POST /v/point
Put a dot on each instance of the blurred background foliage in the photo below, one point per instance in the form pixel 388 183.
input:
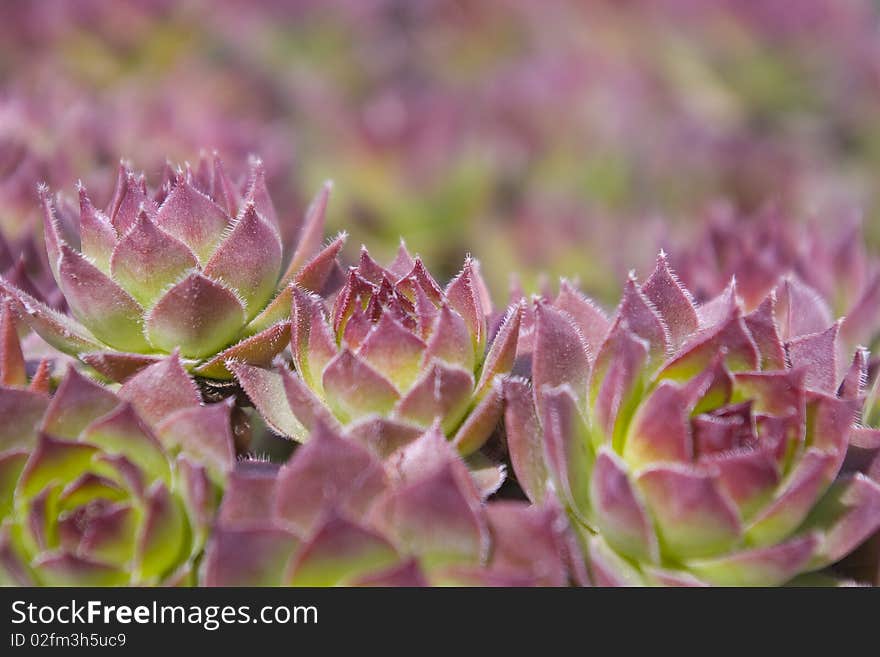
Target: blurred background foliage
pixel 556 137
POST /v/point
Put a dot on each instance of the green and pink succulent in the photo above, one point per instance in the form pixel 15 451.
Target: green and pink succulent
pixel 196 266
pixel 393 354
pixel 335 514
pixel 105 488
pixel 692 444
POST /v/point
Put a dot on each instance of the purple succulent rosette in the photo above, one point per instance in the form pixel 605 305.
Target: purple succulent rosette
pixel 195 266
pixel 395 353
pixel 104 489
pixel 336 515
pixel 693 444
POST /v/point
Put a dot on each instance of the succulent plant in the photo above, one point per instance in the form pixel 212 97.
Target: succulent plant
pixel 101 488
pixel 197 266
pixel 336 515
pixel 395 353
pixel 692 444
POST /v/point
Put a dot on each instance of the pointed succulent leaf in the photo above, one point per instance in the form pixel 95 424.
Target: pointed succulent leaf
pixel 797 496
pixel 250 495
pixel 480 422
pixel 660 429
pixel 303 402
pixel 449 339
pixel 846 516
pixel 265 388
pixel 437 519
pixel 607 568
pixel 248 556
pixel 856 378
pixel 644 320
pixel 355 389
pixel 442 392
pixel 800 310
pixel 393 351
pixel 198 315
pixel 560 354
pixel 62 332
pixel 672 301
pixel 193 218
pixel 403 261
pixel 589 318
pixel 275 312
pixel 110 312
pixel 123 432
pixel 694 518
pixel 619 511
pixel 567 449
pixel 147 260
pixel 525 539
pixel 319 271
pixel 431 451
pixel 816 354
pixel 761 323
pixel 615 380
pixel 328 472
pixel 53 460
pixel 464 296
pixel 12 365
pixel 21 411
pixel 248 260
pixel 64 569
pixel 162 538
pixel 340 552
pixel 51 231
pixel 524 436
pixel 259 349
pixel 730 336
pixel 202 432
pixel 749 478
pixel 720 308
pixel 130 197
pixel 502 354
pixel 257 192
pixel 369 269
pixel 160 389
pixel 76 404
pixel 312 232
pixel 312 342
pixel 766 566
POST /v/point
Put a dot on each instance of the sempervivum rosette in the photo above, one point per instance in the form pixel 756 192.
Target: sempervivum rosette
pixel 100 488
pixel 395 353
pixel 692 445
pixel 335 515
pixel 195 266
